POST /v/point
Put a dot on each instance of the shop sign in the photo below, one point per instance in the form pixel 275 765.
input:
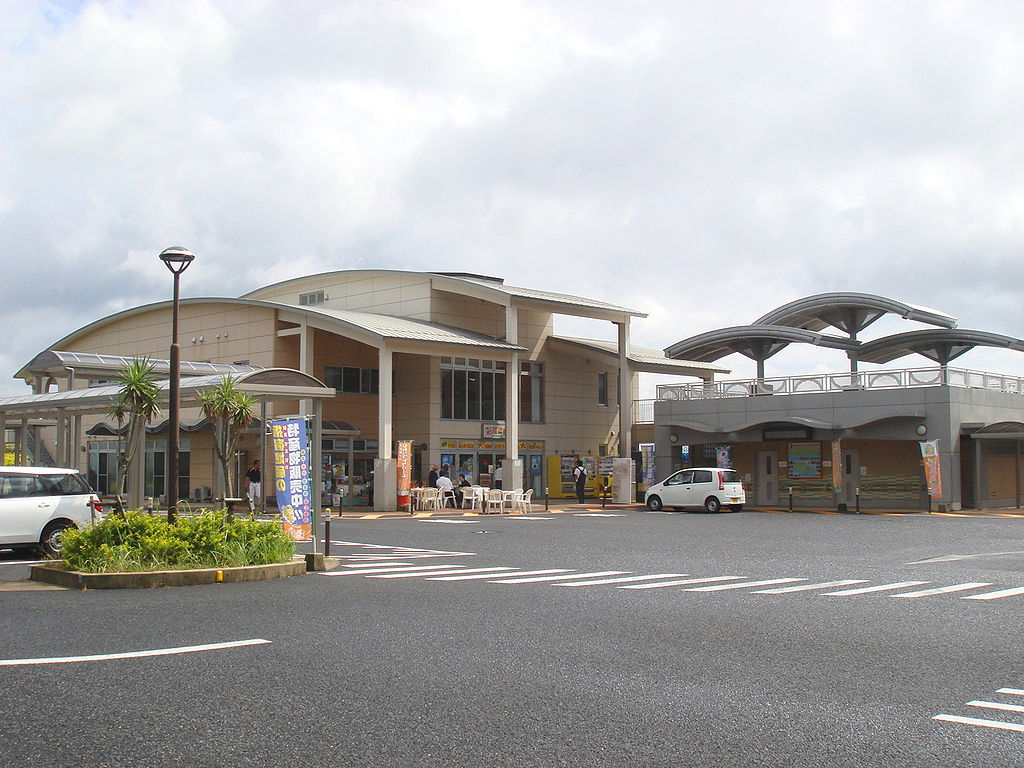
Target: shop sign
pixel 404 472
pixel 932 468
pixel 488 445
pixel 493 431
pixel 292 476
pixel 805 460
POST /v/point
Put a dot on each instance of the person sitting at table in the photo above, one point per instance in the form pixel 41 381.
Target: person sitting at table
pixel 463 482
pixel 444 484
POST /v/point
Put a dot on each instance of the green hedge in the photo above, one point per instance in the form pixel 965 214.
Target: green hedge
pixel 138 542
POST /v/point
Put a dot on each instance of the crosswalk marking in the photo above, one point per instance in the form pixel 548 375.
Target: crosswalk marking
pixel 996 705
pixel 995 595
pixel 1014 691
pixel 393 569
pixel 742 585
pixel 683 581
pixel 944 590
pixel 553 578
pixel 876 588
pixel 492 575
pixel 382 564
pixel 418 573
pixel 618 580
pixel 977 721
pixel 804 587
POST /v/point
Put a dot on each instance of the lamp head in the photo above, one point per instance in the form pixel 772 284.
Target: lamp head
pixel 177 258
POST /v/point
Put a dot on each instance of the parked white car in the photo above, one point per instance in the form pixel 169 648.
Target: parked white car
pixel 709 487
pixel 37 504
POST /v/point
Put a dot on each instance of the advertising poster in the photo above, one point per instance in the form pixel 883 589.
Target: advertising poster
pixel 805 460
pixel 837 464
pixel 647 464
pixel 723 457
pixel 290 448
pixel 404 471
pixel 932 471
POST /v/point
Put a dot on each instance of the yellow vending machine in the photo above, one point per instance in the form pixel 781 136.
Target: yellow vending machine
pixel 560 476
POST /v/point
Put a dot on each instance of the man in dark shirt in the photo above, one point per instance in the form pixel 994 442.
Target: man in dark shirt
pixel 254 480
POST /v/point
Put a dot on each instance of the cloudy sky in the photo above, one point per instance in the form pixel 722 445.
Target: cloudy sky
pixel 702 161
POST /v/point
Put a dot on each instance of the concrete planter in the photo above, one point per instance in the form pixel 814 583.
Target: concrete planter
pixel 58 574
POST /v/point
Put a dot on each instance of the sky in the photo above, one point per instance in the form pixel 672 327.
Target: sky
pixel 703 162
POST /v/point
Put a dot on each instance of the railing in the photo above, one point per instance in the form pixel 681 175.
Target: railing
pixel 902 378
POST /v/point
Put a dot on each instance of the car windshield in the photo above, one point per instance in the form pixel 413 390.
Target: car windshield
pixel 730 476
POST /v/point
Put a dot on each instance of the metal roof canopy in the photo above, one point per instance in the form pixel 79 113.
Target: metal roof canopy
pixel 1001 430
pixel 268 384
pixel 643 359
pixel 758 342
pixel 849 312
pixel 56 362
pixel 940 346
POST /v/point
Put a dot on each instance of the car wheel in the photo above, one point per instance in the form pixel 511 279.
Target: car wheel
pixel 736 507
pixel 51 543
pixel 654 503
pixel 712 504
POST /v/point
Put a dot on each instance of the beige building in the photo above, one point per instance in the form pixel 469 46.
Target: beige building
pixel 465 367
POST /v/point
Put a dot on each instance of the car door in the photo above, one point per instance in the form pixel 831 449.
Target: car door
pixel 23 508
pixel 70 495
pixel 700 488
pixel 673 493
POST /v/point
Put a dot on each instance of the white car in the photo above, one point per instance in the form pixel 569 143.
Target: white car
pixel 38 503
pixel 709 487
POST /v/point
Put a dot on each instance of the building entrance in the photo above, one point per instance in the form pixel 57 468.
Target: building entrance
pixel 767 478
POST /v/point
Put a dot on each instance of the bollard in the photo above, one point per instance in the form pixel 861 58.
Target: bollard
pixel 604 493
pixel 857 494
pixel 327 531
pixel 791 498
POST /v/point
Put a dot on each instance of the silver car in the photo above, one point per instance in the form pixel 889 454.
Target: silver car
pixel 709 487
pixel 37 504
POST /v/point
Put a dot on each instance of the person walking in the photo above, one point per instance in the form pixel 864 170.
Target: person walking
pixel 579 475
pixel 254 482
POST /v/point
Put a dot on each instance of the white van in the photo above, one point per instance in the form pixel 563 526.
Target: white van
pixel 38 503
pixel 707 487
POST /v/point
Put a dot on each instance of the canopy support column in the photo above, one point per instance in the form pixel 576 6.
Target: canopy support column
pixel 385 468
pixel 625 393
pixel 511 466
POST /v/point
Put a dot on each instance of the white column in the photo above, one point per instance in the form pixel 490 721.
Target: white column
pixel 3 440
pixel 23 444
pixel 625 393
pixel 61 443
pixel 511 467
pixel 76 444
pixel 385 475
pixel 316 459
pixel 306 362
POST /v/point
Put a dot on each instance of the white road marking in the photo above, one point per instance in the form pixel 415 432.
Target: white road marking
pixel 684 581
pixel 996 705
pixel 944 590
pixel 597 514
pixel 553 578
pixel 1014 691
pixel 742 585
pixel 527 517
pixel 876 588
pixel 492 575
pixel 952 558
pixel 975 721
pixel 995 595
pixel 132 654
pixel 420 572
pixel 394 569
pixel 804 587
pixel 456 522
pixel 619 580
pixel 386 563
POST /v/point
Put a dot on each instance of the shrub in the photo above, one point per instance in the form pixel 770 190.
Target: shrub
pixel 138 542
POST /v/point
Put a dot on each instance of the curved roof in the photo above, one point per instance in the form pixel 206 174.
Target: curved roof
pixel 938 345
pixel 53 361
pixel 850 312
pixel 493 286
pixel 758 342
pixel 644 359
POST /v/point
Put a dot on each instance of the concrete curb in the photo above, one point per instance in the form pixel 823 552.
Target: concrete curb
pixel 56 574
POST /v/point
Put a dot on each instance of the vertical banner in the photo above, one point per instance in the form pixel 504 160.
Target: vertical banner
pixel 292 476
pixel 837 465
pixel 647 464
pixel 932 471
pixel 404 471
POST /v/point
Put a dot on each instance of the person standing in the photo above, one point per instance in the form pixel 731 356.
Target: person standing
pixel 432 477
pixel 254 481
pixel 579 475
pixel 496 477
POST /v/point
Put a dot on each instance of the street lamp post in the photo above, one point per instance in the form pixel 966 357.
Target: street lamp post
pixel 177 260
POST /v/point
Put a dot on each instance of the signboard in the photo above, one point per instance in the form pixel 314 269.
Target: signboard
pixel 605 464
pixel 493 431
pixel 723 457
pixel 932 468
pixel 647 467
pixel 805 460
pixel 289 445
pixel 404 471
pixel 837 464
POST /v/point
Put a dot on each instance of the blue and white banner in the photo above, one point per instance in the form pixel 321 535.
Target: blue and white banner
pixel 292 475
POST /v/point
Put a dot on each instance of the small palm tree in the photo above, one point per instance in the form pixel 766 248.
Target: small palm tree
pixel 139 399
pixel 231 412
pixel 119 410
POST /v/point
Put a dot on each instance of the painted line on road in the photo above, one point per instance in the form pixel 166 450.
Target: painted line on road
pixel 996 595
pixel 133 654
pixel 492 575
pixel 684 581
pixel 553 578
pixel 1014 691
pixel 395 569
pixel 996 705
pixel 742 585
pixel 805 587
pixel 414 574
pixel 945 590
pixel 383 564
pixel 619 580
pixel 876 588
pixel 1019 727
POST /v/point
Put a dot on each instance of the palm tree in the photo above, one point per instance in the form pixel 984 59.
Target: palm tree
pixel 231 412
pixel 139 398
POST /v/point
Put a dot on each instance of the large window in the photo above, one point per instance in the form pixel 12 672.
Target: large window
pixel 474 390
pixel 352 380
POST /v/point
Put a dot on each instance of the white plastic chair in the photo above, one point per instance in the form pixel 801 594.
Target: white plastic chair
pixel 473 496
pixel 523 503
pixel 444 497
pixel 495 498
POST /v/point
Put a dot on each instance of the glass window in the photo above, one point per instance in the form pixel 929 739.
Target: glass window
pixel 14 486
pixel 350 379
pixel 459 411
pixel 447 383
pixel 64 484
pixel 487 395
pixel 602 388
pixel 473 384
pixel 702 476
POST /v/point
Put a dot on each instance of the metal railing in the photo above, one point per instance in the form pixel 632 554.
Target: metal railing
pixel 901 378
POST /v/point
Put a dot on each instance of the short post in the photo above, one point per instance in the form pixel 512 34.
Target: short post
pixel 604 492
pixel 327 531
pixel 857 494
pixel 790 498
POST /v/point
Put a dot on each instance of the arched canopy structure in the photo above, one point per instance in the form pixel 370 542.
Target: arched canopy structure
pixel 758 342
pixel 941 346
pixel 849 312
